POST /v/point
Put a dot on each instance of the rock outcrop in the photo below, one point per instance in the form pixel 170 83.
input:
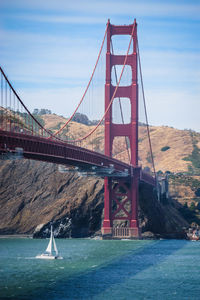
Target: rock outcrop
pixel 33 194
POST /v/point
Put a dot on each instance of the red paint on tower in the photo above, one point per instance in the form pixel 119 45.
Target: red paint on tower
pixel 121 195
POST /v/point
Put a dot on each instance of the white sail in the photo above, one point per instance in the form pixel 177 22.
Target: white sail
pixel 54 244
pixel 49 247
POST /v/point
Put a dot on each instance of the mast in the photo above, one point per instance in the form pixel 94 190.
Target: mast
pixel 49 247
pixel 55 247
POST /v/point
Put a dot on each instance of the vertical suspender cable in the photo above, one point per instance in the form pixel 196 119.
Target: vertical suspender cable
pixel 2 112
pixel 10 110
pixel 20 101
pixel 114 93
pixel 145 110
pixel 54 134
pixel 6 103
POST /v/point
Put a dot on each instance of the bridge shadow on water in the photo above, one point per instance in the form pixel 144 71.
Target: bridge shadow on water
pixel 92 283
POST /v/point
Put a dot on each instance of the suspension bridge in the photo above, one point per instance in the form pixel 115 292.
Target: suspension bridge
pixel 119 162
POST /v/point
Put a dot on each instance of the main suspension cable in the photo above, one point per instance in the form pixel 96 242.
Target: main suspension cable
pixel 67 122
pixel 113 96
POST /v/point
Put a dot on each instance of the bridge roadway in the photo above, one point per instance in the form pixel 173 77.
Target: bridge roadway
pixel 54 151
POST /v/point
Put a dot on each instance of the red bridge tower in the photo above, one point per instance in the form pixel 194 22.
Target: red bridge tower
pixel 121 195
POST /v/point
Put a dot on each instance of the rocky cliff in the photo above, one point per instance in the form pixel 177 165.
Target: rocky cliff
pixel 33 194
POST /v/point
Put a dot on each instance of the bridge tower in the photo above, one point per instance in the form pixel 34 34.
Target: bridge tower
pixel 121 195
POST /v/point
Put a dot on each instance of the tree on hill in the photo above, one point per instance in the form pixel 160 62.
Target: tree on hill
pixel 42 111
pixel 83 119
pixel 192 206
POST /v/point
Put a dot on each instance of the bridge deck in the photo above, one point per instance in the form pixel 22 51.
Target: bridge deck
pixel 43 149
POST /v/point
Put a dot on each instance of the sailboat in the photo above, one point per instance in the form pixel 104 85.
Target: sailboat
pixel 50 253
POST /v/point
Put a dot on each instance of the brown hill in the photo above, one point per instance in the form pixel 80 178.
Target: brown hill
pixel 176 151
pixel 32 194
pixel 171 150
pixel 170 145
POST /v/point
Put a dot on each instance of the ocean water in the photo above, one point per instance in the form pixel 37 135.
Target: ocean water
pixel 95 269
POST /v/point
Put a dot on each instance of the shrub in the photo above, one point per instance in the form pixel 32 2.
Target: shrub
pixel 192 206
pixel 149 158
pixel 197 192
pixel 159 172
pixel 194 157
pixel 165 148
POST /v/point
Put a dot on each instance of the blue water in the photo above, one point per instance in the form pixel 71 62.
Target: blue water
pixel 95 269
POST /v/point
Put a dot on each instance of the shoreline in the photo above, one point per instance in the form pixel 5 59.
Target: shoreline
pixel 7 236
pixel 30 236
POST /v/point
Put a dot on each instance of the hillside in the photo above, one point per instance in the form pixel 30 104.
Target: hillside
pixel 171 147
pixel 32 194
pixel 175 151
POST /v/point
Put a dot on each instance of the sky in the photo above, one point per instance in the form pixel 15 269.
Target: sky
pixel 48 50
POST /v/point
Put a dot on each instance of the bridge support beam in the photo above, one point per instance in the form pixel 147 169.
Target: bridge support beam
pixel 121 195
pixel 107 223
pixel 121 207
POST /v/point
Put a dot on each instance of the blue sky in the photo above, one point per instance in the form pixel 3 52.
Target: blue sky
pixel 48 49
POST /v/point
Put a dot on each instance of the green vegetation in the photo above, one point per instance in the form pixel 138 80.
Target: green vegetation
pixel 192 206
pixel 160 172
pixel 189 214
pixel 194 158
pixel 96 143
pixel 39 119
pixel 83 119
pixel 27 119
pixel 193 183
pixel 190 169
pixel 165 148
pixel 57 126
pixel 186 180
pixel 197 192
pixel 42 111
pixel 140 140
pixel 23 119
pixel 149 158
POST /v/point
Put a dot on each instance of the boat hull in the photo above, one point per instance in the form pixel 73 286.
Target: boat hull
pixel 43 256
pixel 195 236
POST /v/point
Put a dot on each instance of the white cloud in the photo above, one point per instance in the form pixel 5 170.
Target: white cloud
pixel 113 7
pixel 62 19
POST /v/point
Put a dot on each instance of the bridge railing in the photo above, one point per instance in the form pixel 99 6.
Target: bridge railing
pixel 121 232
